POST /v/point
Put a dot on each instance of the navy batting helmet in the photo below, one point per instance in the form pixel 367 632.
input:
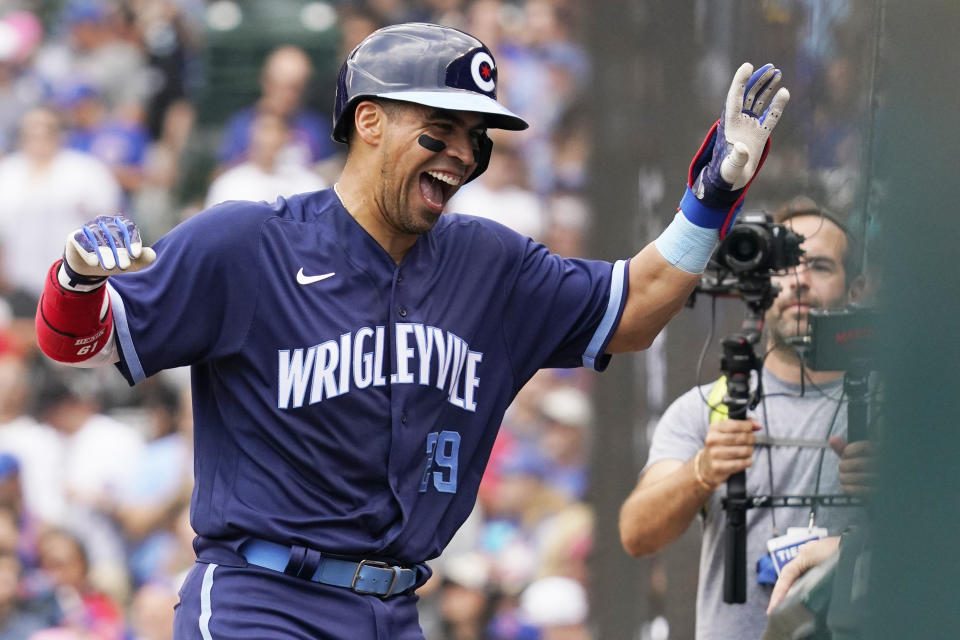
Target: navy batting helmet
pixel 426 64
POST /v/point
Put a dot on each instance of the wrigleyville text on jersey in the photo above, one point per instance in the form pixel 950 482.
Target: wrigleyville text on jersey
pixel 425 355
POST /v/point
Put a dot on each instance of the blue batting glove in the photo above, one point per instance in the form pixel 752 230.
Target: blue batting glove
pixel 734 149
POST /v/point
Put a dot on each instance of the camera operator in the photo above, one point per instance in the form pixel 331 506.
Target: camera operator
pixel 695 448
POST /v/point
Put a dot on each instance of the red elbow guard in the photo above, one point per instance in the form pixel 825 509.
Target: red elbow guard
pixel 69 328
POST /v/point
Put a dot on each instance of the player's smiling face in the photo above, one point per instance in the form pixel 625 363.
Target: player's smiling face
pixel 416 183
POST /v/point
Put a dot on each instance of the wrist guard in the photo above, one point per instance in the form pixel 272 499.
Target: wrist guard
pixel 69 323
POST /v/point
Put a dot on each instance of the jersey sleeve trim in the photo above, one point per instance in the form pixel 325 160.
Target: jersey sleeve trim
pixel 594 357
pixel 128 351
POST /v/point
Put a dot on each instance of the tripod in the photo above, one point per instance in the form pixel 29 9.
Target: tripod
pixel 739 360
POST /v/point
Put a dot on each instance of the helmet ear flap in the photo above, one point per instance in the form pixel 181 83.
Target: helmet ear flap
pixel 481 156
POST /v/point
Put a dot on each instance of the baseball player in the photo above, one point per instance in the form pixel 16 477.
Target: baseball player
pixel 353 351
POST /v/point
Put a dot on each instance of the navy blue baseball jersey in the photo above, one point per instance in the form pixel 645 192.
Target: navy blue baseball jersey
pixel 342 401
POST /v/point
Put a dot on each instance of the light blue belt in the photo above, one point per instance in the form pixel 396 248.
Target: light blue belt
pixel 363 576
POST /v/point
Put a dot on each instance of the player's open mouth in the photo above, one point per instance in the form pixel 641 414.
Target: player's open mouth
pixel 436 187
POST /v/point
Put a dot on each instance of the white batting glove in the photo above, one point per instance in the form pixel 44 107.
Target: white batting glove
pixel 749 117
pixel 103 247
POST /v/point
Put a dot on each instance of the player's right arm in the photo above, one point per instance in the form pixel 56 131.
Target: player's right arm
pixel 74 321
pixel 671 492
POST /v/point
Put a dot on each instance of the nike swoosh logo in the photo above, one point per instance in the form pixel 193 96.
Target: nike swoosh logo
pixel 304 279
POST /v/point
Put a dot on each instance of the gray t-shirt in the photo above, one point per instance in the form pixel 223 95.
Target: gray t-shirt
pixel 820 413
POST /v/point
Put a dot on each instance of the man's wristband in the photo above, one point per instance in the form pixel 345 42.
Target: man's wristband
pixel 73 281
pixel 696 472
pixel 687 246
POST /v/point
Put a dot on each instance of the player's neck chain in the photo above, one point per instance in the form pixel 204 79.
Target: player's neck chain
pixel 337 191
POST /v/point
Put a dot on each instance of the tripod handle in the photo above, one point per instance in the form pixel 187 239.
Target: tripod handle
pixel 735 545
pixel 735 535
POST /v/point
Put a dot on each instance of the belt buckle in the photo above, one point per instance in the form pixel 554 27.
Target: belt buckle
pixel 378 565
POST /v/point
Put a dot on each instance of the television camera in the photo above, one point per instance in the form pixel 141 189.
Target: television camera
pixel 754 249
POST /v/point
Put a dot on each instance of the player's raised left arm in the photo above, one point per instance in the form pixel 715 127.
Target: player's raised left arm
pixel 664 273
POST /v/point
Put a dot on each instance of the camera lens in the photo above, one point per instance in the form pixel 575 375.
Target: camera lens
pixel 744 248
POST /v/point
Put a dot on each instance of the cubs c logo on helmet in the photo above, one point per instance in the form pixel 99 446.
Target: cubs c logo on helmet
pixel 482 70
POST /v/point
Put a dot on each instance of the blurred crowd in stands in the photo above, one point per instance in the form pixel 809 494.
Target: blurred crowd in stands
pixel 98 114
